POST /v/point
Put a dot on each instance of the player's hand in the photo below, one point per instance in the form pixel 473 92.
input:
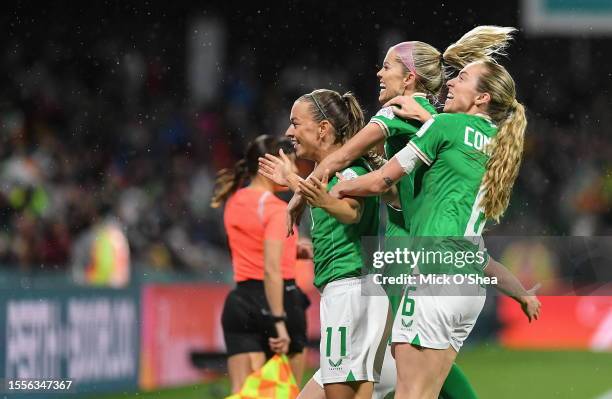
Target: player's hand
pixel 530 303
pixel 336 191
pixel 314 191
pixel 276 168
pixel 295 208
pixel 407 107
pixel 280 344
pixel 304 249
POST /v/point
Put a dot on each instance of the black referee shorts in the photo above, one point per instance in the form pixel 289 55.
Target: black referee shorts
pixel 246 326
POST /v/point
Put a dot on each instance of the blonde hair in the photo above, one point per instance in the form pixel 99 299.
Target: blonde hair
pixel 427 63
pixel 481 43
pixel 484 44
pixel 506 148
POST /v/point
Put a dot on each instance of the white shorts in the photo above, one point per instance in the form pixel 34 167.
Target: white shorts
pixel 354 333
pixel 438 317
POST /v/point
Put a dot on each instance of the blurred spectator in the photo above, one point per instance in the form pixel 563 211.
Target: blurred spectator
pixel 97 118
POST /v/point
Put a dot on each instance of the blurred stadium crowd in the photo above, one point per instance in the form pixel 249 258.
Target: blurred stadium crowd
pixel 97 122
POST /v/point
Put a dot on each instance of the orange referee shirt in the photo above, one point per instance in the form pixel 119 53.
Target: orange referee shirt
pixel 252 216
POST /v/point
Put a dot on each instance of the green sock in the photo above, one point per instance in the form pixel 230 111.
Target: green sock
pixel 457 386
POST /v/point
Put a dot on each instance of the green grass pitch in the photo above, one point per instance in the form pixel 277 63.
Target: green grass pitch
pixel 494 372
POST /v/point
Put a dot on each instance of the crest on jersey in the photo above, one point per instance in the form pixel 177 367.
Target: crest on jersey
pixel 349 174
pixel 387 112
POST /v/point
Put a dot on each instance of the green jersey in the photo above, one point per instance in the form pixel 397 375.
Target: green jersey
pixel 396 226
pixel 337 246
pixel 454 146
pixel 398 133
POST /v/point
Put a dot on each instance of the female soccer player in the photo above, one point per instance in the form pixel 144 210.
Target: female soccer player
pixel 265 313
pixel 473 155
pixel 352 343
pixel 411 69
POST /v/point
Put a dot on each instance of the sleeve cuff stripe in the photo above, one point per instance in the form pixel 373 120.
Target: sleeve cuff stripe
pixel 382 125
pixel 420 154
pixel 488 261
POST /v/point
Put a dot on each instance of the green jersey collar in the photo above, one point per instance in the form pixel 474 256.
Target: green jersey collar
pixel 487 118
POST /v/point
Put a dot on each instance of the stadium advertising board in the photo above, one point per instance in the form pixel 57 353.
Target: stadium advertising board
pixel 570 322
pixel 179 319
pixel 86 336
pixel 567 17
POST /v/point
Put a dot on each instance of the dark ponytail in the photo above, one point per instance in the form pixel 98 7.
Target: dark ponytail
pixel 355 118
pixel 227 182
pixel 231 179
pixel 343 112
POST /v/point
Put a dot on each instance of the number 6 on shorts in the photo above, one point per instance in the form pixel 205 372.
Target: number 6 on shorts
pixel 408 307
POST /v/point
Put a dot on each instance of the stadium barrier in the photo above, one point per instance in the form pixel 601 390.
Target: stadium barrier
pixel 567 322
pixel 148 335
pixel 178 320
pixel 89 336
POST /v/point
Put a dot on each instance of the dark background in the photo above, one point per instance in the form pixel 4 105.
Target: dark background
pixel 98 120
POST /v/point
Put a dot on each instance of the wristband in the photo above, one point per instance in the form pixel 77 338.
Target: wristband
pixel 278 319
pixel 274 318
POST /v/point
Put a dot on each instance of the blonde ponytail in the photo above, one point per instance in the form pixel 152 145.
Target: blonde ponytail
pixel 504 163
pixel 484 42
pixel 429 69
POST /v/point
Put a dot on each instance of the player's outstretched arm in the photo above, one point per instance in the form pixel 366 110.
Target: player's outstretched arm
pixel 391 197
pixel 295 208
pixel 511 286
pixel 370 184
pixel 363 141
pixel 280 169
pixel 381 180
pixel 346 210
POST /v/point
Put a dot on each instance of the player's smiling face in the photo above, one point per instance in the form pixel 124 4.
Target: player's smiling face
pixel 463 95
pixel 303 131
pixel 391 78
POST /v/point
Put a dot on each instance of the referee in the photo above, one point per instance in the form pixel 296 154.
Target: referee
pixel 265 313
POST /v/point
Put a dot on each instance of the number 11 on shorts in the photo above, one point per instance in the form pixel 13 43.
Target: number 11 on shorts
pixel 329 331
